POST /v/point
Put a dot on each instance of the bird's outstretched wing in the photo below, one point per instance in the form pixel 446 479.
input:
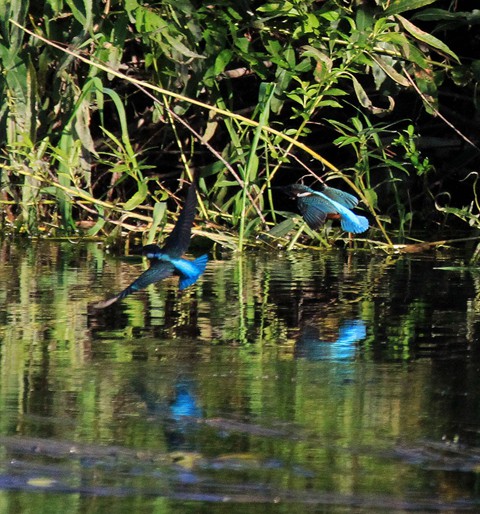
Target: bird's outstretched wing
pixel 157 271
pixel 337 195
pixel 166 261
pixel 313 211
pixel 316 206
pixel 178 241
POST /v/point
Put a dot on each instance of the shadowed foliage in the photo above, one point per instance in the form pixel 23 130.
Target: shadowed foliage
pixel 107 105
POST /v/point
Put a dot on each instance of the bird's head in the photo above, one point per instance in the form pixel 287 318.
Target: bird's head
pixel 296 190
pixel 149 250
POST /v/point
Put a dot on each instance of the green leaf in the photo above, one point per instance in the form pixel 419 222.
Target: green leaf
pixel 310 51
pixel 345 140
pixel 275 7
pixel 289 54
pixel 226 183
pixel 159 210
pixel 371 197
pixel 427 38
pixel 336 92
pixel 82 12
pixel 221 61
pixel 361 94
pixel 390 71
pixel 273 47
pixel 330 103
pixel 131 5
pixel 243 44
pixel 470 18
pixel 282 80
pixel 181 48
pixel 398 6
pixel 93 231
pixel 296 98
pixel 303 66
pixel 123 123
pixel 138 198
pixel 416 56
pixel 283 228
pixel 476 69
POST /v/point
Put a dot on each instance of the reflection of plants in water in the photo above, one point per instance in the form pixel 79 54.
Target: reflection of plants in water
pixel 123 377
pixel 262 301
pixel 257 302
pixel 400 336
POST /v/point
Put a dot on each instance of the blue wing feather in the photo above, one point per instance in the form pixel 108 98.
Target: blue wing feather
pixel 313 211
pixel 316 205
pixel 157 271
pixel 197 267
pixel 346 199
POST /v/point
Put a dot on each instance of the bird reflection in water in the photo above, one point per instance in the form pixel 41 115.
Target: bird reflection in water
pixel 311 347
pixel 184 404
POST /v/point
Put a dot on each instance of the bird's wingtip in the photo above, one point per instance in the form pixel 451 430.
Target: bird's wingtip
pixel 105 303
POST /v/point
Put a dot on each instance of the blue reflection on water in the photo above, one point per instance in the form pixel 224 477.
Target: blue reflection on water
pixel 185 403
pixel 311 347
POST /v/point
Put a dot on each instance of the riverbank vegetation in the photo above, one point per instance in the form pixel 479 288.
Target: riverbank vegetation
pixel 107 105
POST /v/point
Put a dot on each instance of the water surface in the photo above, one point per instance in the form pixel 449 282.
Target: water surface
pixel 280 382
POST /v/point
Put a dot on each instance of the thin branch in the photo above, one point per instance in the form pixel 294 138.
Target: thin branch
pixel 437 112
pixel 201 140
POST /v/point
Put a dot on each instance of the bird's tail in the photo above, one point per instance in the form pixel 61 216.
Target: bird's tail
pixel 352 223
pixel 198 265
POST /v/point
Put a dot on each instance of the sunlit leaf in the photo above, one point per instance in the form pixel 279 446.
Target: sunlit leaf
pixel 159 211
pixel 390 71
pixel 223 58
pixel 399 6
pixel 138 198
pixel 318 55
pixel 283 228
pixel 427 38
pixel 361 94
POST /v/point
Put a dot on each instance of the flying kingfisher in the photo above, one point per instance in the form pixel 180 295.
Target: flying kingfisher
pixel 166 261
pixel 316 206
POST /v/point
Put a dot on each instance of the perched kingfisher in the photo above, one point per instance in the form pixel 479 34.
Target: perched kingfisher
pixel 166 261
pixel 316 206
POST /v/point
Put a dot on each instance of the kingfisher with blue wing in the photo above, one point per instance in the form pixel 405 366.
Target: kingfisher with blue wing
pixel 317 206
pixel 168 261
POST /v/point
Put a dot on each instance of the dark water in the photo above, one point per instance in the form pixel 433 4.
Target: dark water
pixel 289 382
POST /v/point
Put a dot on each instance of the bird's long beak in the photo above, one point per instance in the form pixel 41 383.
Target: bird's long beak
pixel 284 189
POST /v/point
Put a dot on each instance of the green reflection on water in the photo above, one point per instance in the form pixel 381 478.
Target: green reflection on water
pixel 264 421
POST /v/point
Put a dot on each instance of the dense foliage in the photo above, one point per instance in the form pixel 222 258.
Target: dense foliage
pixel 106 105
